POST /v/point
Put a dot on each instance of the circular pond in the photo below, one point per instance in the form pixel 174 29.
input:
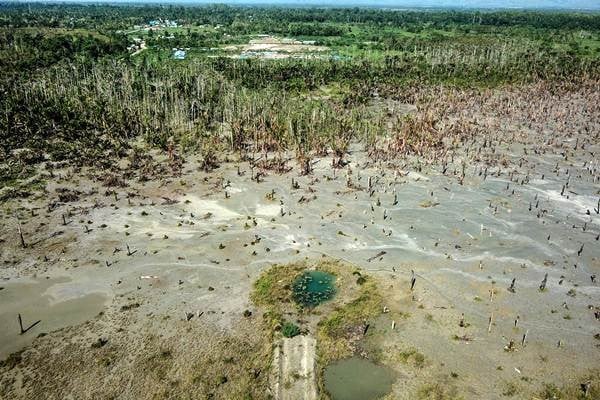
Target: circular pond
pixel 313 288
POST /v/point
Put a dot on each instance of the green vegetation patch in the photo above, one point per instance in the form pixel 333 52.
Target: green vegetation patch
pixel 274 291
pixel 289 330
pixel 586 387
pixel 367 305
pixel 413 357
pixel 340 323
pixel 437 391
pixel 273 287
pixel 339 333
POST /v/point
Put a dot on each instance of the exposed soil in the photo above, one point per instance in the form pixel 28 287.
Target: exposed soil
pixel 294 369
pixel 270 47
pixel 142 288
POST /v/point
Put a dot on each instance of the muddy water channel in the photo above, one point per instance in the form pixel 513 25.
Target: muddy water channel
pixel 465 243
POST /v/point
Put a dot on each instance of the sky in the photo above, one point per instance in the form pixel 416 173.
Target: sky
pixel 513 4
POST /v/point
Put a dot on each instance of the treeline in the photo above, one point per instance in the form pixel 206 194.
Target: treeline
pixel 89 111
pixel 427 66
pixel 69 88
pixel 122 16
pixel 22 51
pixel 239 26
pixel 101 105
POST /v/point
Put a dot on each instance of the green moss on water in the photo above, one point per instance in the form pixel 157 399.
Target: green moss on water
pixel 313 288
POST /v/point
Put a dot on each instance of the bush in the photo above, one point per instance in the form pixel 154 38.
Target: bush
pixel 289 330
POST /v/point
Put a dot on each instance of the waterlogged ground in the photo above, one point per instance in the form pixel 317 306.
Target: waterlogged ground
pixel 173 259
pixel 358 379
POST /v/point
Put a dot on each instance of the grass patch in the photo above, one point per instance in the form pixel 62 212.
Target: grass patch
pixel 335 331
pixel 19 180
pixel 340 323
pixel 273 290
pixel 12 360
pixel 437 391
pixel 274 286
pixel 234 369
pixel 367 305
pixel 574 391
pixel 413 357
pixel 343 323
pixel 511 389
pixel 339 332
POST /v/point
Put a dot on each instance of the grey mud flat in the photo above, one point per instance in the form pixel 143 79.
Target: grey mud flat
pixel 126 287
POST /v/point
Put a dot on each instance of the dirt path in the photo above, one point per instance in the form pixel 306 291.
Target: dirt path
pixel 294 369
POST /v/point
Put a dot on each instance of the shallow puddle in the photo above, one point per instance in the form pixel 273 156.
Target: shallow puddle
pixel 357 378
pixel 35 300
pixel 313 288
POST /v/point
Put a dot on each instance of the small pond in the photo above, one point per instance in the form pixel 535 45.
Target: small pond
pixel 357 378
pixel 313 288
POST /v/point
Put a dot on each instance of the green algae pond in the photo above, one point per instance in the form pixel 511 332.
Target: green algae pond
pixel 312 288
